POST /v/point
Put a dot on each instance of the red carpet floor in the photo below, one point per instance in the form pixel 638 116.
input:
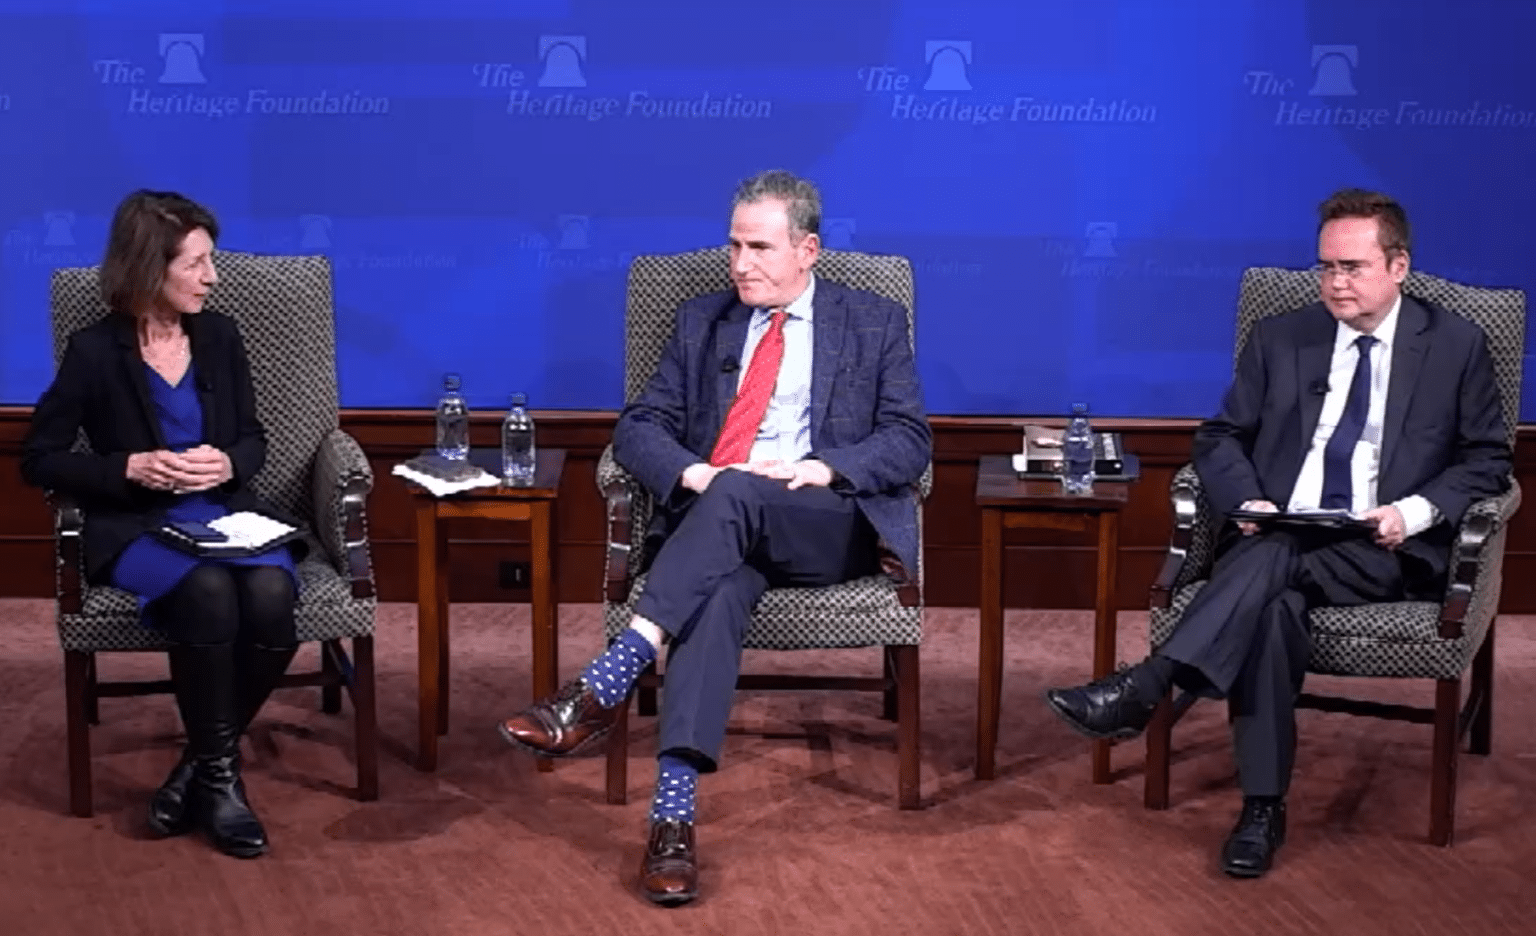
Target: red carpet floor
pixel 799 833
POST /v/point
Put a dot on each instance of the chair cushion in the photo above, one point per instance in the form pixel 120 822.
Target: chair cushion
pixel 109 617
pixel 862 613
pixel 1397 639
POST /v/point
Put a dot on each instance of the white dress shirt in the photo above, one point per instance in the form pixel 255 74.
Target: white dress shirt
pixel 785 433
pixel 1365 463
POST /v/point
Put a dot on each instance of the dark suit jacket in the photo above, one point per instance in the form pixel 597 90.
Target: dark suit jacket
pixel 867 420
pixel 101 386
pixel 1443 433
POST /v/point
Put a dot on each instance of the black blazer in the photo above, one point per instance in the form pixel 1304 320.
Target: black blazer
pixel 101 387
pixel 1443 433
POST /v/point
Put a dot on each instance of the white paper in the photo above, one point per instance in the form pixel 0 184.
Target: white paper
pixel 247 530
pixel 440 488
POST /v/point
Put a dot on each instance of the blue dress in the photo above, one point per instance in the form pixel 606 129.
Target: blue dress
pixel 149 568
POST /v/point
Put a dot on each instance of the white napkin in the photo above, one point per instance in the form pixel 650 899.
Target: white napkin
pixel 440 488
pixel 247 530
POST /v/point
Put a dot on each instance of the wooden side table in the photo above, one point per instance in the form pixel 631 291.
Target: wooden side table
pixel 1007 502
pixel 535 504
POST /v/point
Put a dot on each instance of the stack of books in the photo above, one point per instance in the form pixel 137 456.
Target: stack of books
pixel 443 476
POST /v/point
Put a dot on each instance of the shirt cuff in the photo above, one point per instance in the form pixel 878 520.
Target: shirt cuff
pixel 1418 514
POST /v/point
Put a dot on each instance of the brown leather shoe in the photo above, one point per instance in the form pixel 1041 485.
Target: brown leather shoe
pixel 669 874
pixel 561 724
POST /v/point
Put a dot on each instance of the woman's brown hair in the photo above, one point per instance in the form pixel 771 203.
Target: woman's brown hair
pixel 146 236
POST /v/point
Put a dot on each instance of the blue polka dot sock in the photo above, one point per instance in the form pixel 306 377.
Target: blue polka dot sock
pixel 611 674
pixel 677 783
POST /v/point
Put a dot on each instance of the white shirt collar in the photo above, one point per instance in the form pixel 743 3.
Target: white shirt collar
pixel 801 307
pixel 1385 333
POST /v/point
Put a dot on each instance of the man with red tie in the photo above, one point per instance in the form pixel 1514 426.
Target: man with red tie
pixel 782 436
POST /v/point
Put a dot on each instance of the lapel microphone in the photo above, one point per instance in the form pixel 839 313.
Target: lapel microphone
pixel 1319 387
pixel 729 365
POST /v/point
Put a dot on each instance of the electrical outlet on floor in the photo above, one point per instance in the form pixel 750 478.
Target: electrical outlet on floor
pixel 514 574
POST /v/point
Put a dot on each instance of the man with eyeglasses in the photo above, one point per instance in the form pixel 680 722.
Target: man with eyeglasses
pixel 1371 402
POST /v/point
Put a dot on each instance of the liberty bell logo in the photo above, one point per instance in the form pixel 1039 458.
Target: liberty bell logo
pixel 573 231
pixel 562 57
pixel 837 233
pixel 58 229
pixel 314 232
pixel 183 55
pixel 1333 70
pixel 1101 239
pixel 947 60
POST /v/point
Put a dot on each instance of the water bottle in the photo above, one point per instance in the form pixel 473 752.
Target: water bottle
pixel 518 456
pixel 452 421
pixel 1077 453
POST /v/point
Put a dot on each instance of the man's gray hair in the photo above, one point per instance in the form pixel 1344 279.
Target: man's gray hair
pixel 802 203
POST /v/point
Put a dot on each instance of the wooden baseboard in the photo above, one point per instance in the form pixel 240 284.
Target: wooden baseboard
pixel 1043 569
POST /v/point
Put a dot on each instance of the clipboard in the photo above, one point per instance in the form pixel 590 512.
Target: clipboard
pixel 227 548
pixel 1339 520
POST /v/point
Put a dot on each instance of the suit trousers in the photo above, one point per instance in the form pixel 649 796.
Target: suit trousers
pixel 1245 638
pixel 743 535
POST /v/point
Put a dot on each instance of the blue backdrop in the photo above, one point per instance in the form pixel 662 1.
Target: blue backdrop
pixel 1079 184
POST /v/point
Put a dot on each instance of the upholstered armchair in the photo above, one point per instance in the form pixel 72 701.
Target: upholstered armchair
pixel 867 612
pixel 1441 640
pixel 314 470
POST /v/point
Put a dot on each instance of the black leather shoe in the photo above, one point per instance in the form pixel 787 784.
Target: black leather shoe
pixel 562 724
pixel 219 804
pixel 1105 708
pixel 669 873
pixel 168 813
pixel 1260 831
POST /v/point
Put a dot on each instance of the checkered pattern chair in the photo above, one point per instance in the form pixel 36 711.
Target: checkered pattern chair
pixel 314 471
pixel 867 612
pixel 1407 639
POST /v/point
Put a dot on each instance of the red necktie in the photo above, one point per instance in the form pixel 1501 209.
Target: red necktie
pixel 746 413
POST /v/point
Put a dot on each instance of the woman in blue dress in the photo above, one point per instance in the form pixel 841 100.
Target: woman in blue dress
pixel 163 391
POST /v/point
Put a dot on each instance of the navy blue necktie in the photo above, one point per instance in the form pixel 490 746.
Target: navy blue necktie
pixel 1340 450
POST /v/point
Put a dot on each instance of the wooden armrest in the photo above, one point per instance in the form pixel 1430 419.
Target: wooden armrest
pixel 1470 554
pixel 1184 498
pixel 616 577
pixel 69 552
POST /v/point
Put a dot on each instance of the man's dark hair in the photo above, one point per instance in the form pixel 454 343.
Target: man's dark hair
pixel 802 203
pixel 147 231
pixel 1391 219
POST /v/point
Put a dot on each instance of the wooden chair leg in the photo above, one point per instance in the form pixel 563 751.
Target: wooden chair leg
pixel 647 695
pixel 890 708
pixel 1442 781
pixel 92 709
pixel 618 757
pixel 330 692
pixel 77 666
pixel 904 665
pixel 364 707
pixel 1159 755
pixel 1481 741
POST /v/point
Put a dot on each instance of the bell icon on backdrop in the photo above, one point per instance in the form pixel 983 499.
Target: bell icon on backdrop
pixel 947 59
pixel 562 57
pixel 1101 239
pixel 837 233
pixel 58 229
pixel 573 231
pixel 183 55
pixel 314 232
pixel 1333 70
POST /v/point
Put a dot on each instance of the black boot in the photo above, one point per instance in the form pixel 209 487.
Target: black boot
pixel 263 667
pixel 168 807
pixel 205 688
pixel 260 669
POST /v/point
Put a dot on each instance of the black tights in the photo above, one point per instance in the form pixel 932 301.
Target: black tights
pixel 219 604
